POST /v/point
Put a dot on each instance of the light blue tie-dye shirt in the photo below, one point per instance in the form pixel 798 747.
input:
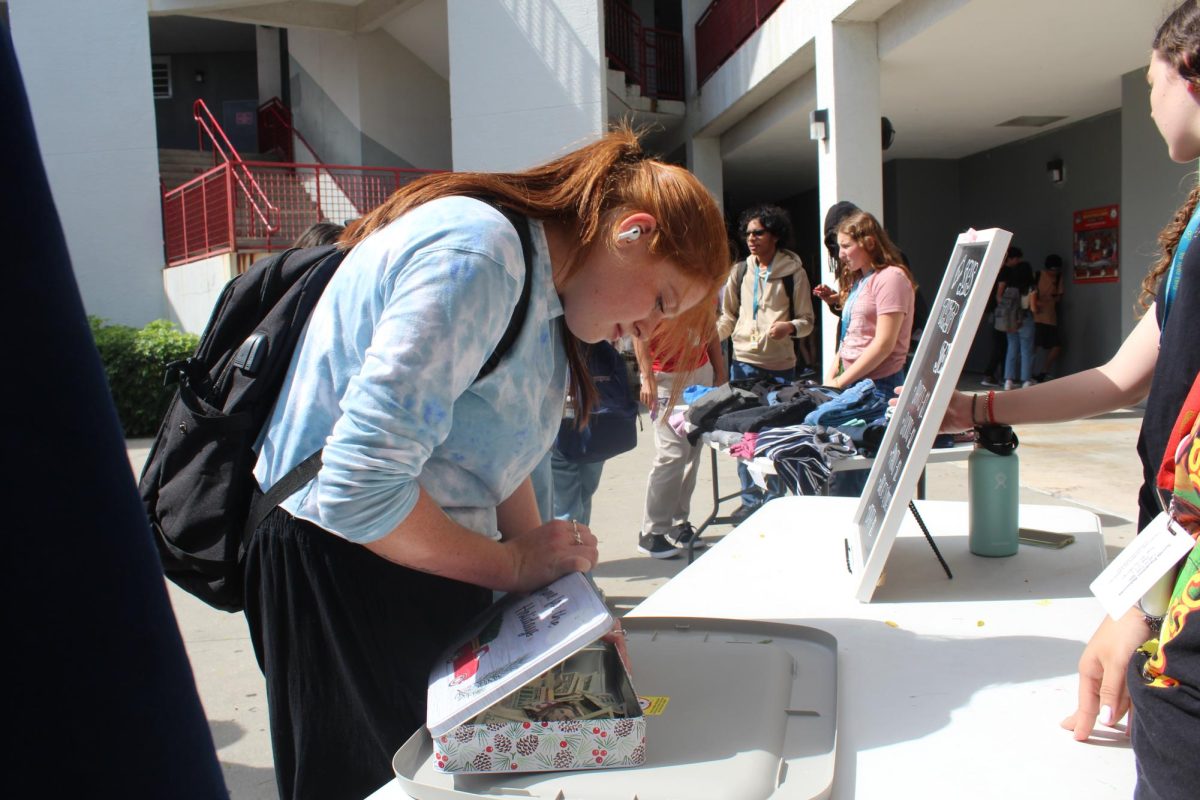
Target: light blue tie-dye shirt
pixel 383 378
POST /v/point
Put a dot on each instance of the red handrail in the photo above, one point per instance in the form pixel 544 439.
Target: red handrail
pixel 208 215
pixel 273 115
pixel 259 203
pixel 651 57
pixel 274 109
pixel 275 129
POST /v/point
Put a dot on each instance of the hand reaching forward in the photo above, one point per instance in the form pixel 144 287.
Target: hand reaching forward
pixel 548 552
pixel 958 413
pixel 1102 668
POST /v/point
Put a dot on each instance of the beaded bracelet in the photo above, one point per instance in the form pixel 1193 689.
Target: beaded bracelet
pixel 991 406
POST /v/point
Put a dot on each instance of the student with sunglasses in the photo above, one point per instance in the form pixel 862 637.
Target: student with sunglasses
pixel 765 307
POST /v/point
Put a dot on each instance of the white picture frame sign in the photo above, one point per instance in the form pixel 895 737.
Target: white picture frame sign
pixel 954 318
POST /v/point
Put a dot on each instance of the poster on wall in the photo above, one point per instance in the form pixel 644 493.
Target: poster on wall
pixel 1096 255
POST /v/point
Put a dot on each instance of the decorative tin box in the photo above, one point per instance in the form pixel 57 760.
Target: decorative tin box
pixel 529 689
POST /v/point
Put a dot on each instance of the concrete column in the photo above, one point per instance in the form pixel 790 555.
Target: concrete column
pixel 86 68
pixel 850 160
pixel 526 80
pixel 704 161
pixel 270 71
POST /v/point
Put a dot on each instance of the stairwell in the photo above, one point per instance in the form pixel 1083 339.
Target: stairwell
pixel 282 186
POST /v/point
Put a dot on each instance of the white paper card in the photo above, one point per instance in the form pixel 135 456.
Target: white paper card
pixel 756 474
pixel 1154 551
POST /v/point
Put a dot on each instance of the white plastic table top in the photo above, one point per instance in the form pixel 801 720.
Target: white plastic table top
pixel 947 688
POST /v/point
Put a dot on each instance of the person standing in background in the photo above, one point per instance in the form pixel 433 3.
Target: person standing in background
pixel 993 374
pixel 1043 302
pixel 666 530
pixel 765 306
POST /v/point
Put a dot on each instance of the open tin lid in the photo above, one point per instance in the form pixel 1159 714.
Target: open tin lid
pixel 518 638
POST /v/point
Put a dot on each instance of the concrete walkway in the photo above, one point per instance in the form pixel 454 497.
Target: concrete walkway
pixel 1091 464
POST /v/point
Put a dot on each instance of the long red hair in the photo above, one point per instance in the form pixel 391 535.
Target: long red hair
pixel 592 189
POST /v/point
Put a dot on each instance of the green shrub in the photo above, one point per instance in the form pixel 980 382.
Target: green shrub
pixel 133 361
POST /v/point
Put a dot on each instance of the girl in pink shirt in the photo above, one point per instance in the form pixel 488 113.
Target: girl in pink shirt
pixel 877 293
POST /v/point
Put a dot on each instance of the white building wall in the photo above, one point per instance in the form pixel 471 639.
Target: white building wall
pixel 527 80
pixel 86 68
pixel 192 290
pixel 365 99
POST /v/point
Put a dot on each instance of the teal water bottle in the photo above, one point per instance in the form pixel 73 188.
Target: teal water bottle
pixel 993 491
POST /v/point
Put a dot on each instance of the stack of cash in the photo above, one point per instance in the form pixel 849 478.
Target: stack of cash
pixel 577 689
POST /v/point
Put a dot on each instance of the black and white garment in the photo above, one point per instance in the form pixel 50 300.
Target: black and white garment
pixel 804 454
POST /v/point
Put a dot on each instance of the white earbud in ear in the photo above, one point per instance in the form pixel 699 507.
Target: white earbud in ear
pixel 630 235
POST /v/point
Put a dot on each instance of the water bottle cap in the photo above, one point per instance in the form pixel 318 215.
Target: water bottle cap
pixel 998 439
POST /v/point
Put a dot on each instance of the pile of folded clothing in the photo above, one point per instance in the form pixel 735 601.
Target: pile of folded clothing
pixel 801 426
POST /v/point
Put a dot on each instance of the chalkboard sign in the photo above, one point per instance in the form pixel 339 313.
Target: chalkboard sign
pixel 953 319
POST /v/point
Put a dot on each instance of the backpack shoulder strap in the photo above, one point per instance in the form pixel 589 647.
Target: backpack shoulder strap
pixel 307 469
pixel 740 268
pixel 789 286
pixel 521 223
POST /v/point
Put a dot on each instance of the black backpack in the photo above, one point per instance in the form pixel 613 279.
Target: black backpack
pixel 197 486
pixel 611 428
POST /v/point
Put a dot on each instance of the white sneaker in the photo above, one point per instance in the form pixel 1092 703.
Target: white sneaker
pixel 1010 385
pixel 1028 383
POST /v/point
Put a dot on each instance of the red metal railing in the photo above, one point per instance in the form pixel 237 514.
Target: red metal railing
pixel 650 57
pixel 663 57
pixel 723 27
pixel 256 199
pixel 263 205
pixel 275 129
pixel 210 215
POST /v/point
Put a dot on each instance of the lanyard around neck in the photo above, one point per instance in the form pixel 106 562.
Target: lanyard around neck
pixel 1171 285
pixel 757 281
pixel 850 300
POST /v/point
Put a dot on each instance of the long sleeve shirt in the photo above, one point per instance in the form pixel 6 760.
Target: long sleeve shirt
pixel 384 377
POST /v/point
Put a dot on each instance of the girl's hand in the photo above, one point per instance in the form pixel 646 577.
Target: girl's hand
pixel 648 393
pixel 616 637
pixel 548 552
pixel 958 413
pixel 1102 673
pixel 781 330
pixel 825 293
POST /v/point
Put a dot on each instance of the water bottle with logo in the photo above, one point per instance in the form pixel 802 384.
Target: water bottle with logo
pixel 993 491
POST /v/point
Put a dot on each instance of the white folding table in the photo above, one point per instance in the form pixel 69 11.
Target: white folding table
pixel 947 688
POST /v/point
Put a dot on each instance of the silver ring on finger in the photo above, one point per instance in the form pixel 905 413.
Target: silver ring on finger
pixel 575 532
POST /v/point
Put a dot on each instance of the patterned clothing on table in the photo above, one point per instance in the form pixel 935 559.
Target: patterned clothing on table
pixel 1164 675
pixel 804 455
pixel 384 378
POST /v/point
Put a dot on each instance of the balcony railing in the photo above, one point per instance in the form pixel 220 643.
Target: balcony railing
pixel 211 214
pixel 723 27
pixel 649 57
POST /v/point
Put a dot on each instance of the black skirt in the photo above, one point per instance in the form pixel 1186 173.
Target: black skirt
pixel 346 640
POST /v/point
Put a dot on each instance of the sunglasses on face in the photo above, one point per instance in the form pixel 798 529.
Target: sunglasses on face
pixel 754 233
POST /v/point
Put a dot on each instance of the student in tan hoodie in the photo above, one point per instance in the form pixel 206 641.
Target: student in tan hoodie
pixel 766 306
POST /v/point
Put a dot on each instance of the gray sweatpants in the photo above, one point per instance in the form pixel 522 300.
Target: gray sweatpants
pixel 676 462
